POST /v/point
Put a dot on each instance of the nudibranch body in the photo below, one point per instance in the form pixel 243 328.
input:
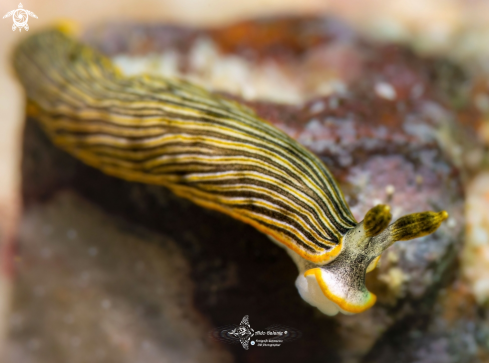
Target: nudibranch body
pixel 215 152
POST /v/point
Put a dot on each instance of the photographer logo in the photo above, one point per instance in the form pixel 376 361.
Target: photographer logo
pixel 272 337
pixel 20 17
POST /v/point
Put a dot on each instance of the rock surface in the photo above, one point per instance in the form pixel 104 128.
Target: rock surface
pixel 383 133
pixel 90 289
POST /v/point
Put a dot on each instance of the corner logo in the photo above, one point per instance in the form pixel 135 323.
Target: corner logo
pixel 20 16
pixel 275 335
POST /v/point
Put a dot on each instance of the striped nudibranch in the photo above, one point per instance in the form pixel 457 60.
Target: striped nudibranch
pixel 216 153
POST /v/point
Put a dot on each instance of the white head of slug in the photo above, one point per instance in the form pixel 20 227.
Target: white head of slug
pixel 339 286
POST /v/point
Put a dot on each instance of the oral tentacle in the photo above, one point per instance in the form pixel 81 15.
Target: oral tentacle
pixel 416 225
pixel 377 219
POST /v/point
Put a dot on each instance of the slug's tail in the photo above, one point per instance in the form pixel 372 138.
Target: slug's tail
pixel 51 63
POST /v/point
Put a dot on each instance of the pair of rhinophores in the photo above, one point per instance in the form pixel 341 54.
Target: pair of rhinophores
pixel 215 152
